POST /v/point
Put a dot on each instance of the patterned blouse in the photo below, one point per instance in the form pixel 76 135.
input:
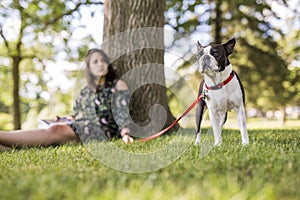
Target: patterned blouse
pixel 101 115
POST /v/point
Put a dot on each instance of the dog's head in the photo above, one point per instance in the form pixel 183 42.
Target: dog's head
pixel 214 58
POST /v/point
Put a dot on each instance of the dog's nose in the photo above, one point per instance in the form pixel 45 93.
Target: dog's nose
pixel 206 60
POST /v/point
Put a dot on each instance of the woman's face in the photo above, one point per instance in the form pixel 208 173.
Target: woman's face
pixel 97 64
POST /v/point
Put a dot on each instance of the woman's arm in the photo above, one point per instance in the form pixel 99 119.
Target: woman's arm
pixel 125 131
pixel 121 85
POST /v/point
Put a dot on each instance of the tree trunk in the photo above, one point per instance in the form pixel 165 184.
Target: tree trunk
pixel 218 22
pixel 283 116
pixel 138 55
pixel 16 85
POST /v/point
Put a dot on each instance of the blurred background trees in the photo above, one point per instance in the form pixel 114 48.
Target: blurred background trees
pixel 36 33
pixel 268 43
pixel 32 33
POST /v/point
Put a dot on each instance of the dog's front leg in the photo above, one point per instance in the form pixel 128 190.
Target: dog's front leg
pixel 199 115
pixel 242 124
pixel 216 126
pixel 197 141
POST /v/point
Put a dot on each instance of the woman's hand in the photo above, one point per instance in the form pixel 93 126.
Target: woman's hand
pixel 127 139
pixel 57 118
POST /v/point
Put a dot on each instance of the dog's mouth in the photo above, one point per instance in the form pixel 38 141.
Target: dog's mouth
pixel 209 69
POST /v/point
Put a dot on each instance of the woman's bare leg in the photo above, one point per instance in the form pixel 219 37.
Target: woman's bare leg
pixel 56 134
pixel 4 148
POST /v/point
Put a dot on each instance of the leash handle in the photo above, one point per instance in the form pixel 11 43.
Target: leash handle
pixel 174 123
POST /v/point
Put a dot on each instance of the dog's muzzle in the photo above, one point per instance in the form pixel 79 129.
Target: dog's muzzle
pixel 207 64
pixel 206 60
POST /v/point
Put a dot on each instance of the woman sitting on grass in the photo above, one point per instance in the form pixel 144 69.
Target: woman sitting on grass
pixel 93 116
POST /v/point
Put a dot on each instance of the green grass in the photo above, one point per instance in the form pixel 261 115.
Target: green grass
pixel 268 168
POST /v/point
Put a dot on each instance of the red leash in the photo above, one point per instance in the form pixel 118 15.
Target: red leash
pixel 173 124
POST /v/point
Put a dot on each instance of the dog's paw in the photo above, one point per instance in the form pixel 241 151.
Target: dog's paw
pixel 197 142
pixel 245 143
pixel 218 143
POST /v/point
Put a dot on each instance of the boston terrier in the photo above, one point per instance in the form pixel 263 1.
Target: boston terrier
pixel 221 90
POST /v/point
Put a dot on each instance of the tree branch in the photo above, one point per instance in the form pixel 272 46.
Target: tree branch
pixel 29 56
pixel 69 12
pixel 4 38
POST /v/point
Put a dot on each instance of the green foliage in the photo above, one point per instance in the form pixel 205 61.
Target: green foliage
pixel 291 54
pixel 260 56
pixel 268 168
pixel 40 33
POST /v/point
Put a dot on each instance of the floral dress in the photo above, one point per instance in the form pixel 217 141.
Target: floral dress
pixel 102 114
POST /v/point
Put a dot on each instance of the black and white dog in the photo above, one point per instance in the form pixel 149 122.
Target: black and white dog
pixel 221 90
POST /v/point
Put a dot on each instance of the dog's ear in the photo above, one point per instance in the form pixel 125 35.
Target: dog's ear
pixel 199 46
pixel 229 46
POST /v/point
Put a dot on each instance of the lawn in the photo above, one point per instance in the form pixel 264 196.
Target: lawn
pixel 268 168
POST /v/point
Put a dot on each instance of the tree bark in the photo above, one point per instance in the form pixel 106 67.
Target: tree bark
pixel 138 53
pixel 218 22
pixel 16 85
pixel 283 116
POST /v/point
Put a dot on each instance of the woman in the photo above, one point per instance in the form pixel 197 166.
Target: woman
pixel 94 116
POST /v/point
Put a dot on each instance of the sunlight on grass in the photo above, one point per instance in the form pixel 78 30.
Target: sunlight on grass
pixel 142 157
pixel 252 123
pixel 267 168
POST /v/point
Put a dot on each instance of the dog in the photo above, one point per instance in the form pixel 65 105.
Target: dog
pixel 221 90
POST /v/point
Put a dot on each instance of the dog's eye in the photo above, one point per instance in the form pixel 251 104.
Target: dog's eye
pixel 215 54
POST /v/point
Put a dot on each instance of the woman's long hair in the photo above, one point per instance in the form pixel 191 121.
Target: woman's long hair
pixel 91 79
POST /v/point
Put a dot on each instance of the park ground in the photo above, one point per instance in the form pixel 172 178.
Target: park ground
pixel 267 168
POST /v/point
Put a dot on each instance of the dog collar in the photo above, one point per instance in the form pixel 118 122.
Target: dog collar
pixel 220 85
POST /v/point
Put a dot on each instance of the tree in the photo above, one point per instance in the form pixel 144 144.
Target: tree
pixel 39 23
pixel 141 48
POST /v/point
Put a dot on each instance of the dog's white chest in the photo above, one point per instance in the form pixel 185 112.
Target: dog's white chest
pixel 224 99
